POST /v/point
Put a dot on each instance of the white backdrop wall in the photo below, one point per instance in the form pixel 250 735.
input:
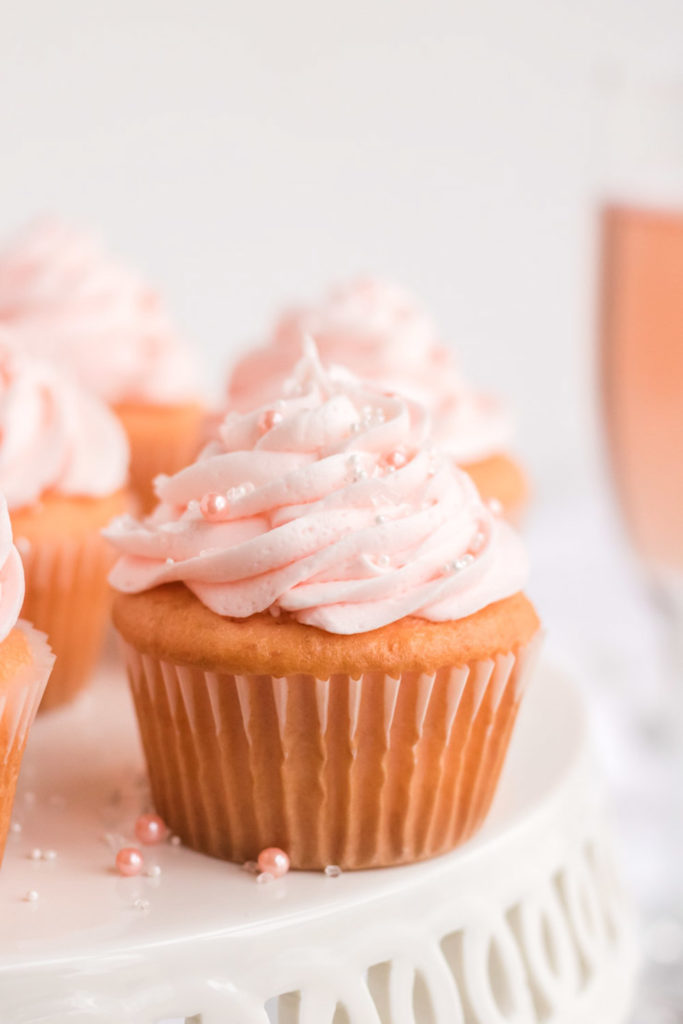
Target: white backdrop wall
pixel 245 154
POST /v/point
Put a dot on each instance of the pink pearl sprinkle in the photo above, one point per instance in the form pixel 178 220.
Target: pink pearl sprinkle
pixel 273 861
pixel 214 507
pixel 268 420
pixel 129 861
pixel 150 829
pixel 396 459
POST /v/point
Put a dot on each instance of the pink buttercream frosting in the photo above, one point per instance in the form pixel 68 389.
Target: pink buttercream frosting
pixel 54 435
pixel 383 336
pixel 65 298
pixel 331 505
pixel 11 575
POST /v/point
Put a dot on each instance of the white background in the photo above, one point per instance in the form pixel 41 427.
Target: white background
pixel 244 154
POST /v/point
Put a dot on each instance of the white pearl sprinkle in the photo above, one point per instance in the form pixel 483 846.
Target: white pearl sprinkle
pixel 141 904
pixel 495 506
pixel 251 867
pixel 170 561
pixel 478 541
pixel 31 896
pixel 15 827
pixel 333 871
pixel 265 877
pixel 36 854
pixel 356 427
pixel 383 561
pixel 49 855
pixel 193 505
pixel 175 840
pixel 462 562
pixel 153 871
pixel 381 519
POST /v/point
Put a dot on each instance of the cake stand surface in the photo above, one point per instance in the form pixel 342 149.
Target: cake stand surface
pixel 524 924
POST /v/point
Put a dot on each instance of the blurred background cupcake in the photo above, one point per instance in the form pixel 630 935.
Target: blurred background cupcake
pixel 25 663
pixel 325 634
pixel 383 335
pixel 63 471
pixel 64 297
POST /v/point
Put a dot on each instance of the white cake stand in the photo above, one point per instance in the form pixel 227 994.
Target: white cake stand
pixel 524 924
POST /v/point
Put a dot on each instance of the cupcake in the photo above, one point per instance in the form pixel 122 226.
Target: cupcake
pixel 66 299
pixel 325 635
pixel 25 663
pixel 385 337
pixel 63 468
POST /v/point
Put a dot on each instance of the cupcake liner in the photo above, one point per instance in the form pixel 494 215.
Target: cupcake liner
pixel 68 597
pixel 364 772
pixel 18 706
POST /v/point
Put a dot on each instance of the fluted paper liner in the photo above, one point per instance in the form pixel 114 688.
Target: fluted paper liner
pixel 68 597
pixel 362 773
pixel 19 700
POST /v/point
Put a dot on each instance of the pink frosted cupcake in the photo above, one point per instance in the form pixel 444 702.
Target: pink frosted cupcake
pixel 325 634
pixel 63 471
pixel 382 335
pixel 25 663
pixel 65 298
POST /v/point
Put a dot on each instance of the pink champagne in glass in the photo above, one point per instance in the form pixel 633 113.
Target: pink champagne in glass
pixel 642 373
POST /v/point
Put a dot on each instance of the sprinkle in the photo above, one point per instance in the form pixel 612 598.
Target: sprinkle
pixel 356 427
pixel 495 506
pixel 36 854
pixel 478 541
pixel 15 827
pixel 214 507
pixel 268 420
pixel 462 562
pixel 170 561
pixel 333 871
pixel 396 459
pixel 49 855
pixel 141 904
pixel 31 896
pixel 383 561
pixel 251 867
pixel 175 840
pixel 264 877
pixel 153 871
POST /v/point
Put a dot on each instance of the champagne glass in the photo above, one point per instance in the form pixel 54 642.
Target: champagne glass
pixel 641 363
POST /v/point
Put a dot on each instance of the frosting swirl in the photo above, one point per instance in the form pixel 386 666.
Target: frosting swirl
pixel 54 435
pixel 11 575
pixel 383 336
pixel 329 505
pixel 65 298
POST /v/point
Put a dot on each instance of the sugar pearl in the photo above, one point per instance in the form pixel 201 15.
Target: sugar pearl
pixel 150 829
pixel 31 896
pixel 333 871
pixel 381 519
pixel 36 854
pixel 273 861
pixel 153 871
pixel 268 420
pixel 396 458
pixel 495 506
pixel 129 861
pixel 141 904
pixel 214 507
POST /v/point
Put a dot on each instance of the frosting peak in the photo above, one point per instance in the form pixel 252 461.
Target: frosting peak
pixel 11 575
pixel 65 298
pixel 330 505
pixel 384 336
pixel 54 435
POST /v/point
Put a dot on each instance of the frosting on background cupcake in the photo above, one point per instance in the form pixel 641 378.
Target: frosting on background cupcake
pixel 383 336
pixel 65 298
pixel 330 505
pixel 11 575
pixel 54 435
